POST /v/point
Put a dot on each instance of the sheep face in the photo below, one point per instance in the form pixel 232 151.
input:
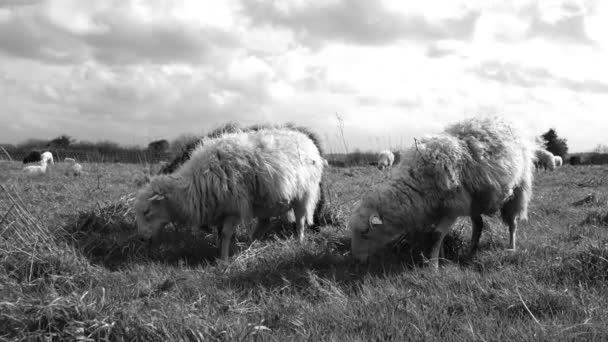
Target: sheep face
pixel 368 231
pixel 151 213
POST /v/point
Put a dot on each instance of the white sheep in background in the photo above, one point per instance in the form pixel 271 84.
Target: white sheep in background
pixel 76 169
pixel 558 161
pixel 385 159
pixel 475 167
pixel 236 177
pixel 544 159
pixel 36 170
pixel 73 170
pixel 47 157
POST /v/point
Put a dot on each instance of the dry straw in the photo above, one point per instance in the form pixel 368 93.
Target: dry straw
pixel 22 236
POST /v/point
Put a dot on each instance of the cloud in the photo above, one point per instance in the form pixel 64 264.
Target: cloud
pixel 530 77
pixel 30 35
pixel 111 35
pixel 355 21
pixel 563 21
pixel 126 39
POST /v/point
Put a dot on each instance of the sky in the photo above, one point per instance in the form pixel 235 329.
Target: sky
pixel 380 72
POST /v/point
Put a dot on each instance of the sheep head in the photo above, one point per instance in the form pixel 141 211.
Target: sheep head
pixel 368 231
pixel 151 212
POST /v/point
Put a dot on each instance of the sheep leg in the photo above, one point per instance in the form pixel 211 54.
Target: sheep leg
pixel 477 223
pixel 228 228
pixel 512 233
pixel 442 230
pixel 300 213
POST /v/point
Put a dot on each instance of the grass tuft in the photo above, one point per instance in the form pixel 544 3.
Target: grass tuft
pixel 106 235
pixel 596 218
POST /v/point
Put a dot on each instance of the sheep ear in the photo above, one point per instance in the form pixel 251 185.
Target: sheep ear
pixel 156 197
pixel 375 221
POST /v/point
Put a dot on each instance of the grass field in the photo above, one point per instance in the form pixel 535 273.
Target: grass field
pixel 71 269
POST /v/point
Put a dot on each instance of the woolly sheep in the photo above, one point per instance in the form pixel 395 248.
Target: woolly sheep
pixel 475 167
pixel 558 161
pixel 76 169
pixel 544 159
pixel 385 159
pixel 233 127
pixel 73 170
pixel 32 157
pixel 36 170
pixel 236 177
pixel 47 157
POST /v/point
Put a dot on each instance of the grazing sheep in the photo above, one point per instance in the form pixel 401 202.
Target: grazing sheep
pixel 76 169
pixel 232 127
pixel 558 161
pixel 385 160
pixel 36 170
pixel 73 170
pixel 475 167
pixel 236 177
pixel 543 159
pixel 32 157
pixel 47 157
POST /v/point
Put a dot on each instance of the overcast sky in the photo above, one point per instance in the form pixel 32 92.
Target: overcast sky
pixel 134 71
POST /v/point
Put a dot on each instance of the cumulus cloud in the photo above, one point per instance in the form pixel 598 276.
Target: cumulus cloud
pixel 559 20
pixel 355 21
pixel 113 34
pixel 510 73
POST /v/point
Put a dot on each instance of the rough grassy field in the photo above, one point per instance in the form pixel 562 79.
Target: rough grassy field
pixel 71 269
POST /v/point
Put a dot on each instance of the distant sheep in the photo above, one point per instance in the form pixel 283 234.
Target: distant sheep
pixel 47 157
pixel 475 167
pixel 558 161
pixel 76 169
pixel 73 170
pixel 544 159
pixel 236 177
pixel 32 157
pixel 36 170
pixel 385 159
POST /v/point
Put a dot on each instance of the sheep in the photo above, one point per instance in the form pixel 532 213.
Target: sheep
pixel 32 157
pixel 36 170
pixel 558 161
pixel 475 167
pixel 232 127
pixel 543 159
pixel 73 170
pixel 76 169
pixel 233 178
pixel 385 159
pixel 47 156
